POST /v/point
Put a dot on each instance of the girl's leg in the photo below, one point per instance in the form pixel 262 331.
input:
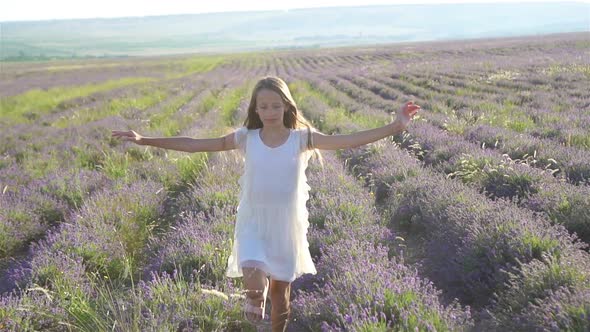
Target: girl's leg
pixel 254 281
pixel 280 297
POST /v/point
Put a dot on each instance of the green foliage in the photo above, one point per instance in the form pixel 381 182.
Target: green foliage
pixel 190 165
pixel 533 282
pixel 507 115
pixel 208 267
pixel 130 224
pixel 578 316
pixel 208 102
pixel 220 198
pixel 76 117
pixel 171 297
pixel 582 44
pixel 497 178
pixel 482 256
pixel 579 140
pixel 457 124
pixel 20 227
pixel 87 157
pixel 98 261
pixel 379 326
pixel 115 165
pixel 352 213
pixel 394 304
pixel 502 182
pixel 541 245
pixel 137 153
pixel 336 116
pixel 568 211
pixel 147 97
pixel 9 243
pixel 556 69
pixel 470 169
pixel 229 103
pixel 39 164
pixel 165 121
pixel 29 106
pixel 83 312
pixel 318 221
pixel 64 292
pixel 193 65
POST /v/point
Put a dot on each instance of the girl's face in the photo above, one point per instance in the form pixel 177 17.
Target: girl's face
pixel 270 108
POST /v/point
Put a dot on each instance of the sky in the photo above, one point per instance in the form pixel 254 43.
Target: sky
pixel 32 10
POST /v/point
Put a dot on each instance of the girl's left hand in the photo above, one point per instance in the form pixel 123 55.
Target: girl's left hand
pixel 406 113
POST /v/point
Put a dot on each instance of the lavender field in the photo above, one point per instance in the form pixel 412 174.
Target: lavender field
pixel 477 218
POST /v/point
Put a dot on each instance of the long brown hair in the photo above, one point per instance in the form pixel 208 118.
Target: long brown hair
pixel 292 118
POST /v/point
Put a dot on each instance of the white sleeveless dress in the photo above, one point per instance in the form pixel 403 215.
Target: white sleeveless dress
pixel 272 217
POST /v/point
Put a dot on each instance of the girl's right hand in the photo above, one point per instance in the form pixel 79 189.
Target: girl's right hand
pixel 128 136
pixel 406 113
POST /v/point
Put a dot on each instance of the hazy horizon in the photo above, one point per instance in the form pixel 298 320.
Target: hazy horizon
pixel 298 28
pixel 72 10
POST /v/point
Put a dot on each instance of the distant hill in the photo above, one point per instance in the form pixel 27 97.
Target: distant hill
pixel 323 27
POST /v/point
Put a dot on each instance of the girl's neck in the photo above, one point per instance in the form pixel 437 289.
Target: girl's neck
pixel 272 131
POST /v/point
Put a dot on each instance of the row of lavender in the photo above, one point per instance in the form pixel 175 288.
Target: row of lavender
pixel 544 87
pixel 362 281
pixel 104 236
pixel 85 243
pixel 468 115
pixel 49 172
pixel 570 162
pixel 490 254
pixel 34 203
pixel 470 86
pixel 334 208
pixel 389 294
pixel 508 262
pixel 36 191
pixel 497 175
pixel 312 66
pixel 98 261
pixel 344 238
pixel 70 262
pixel 551 94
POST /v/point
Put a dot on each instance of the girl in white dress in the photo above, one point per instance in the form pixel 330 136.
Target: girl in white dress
pixel 271 227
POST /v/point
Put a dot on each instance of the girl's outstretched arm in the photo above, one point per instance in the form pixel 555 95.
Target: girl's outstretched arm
pixel 334 142
pixel 179 143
